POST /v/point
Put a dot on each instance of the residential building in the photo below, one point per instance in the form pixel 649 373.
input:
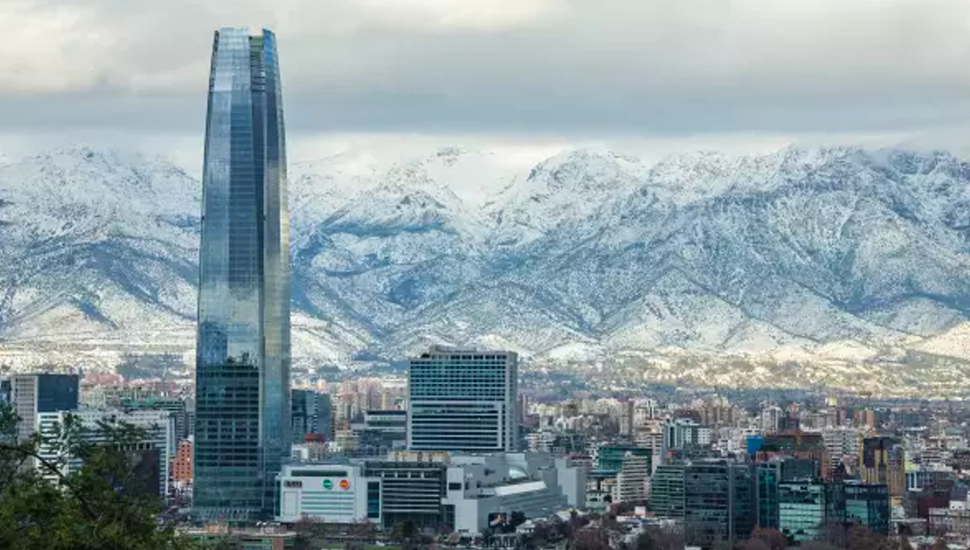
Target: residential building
pixel 463 400
pixel 242 423
pixel 182 465
pixel 633 479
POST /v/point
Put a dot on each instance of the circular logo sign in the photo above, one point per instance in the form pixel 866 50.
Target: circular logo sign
pixel 327 484
pixel 344 484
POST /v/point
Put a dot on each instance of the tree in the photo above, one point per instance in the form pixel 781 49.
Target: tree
pixel 755 544
pixel 103 504
pixel 773 539
pixel 590 538
pixel 517 518
pixel 403 533
pixel 660 538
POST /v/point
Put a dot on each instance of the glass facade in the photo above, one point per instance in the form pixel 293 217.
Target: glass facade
pixel 243 341
pixel 719 503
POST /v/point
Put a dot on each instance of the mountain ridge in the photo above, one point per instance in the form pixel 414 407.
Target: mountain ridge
pixel 698 253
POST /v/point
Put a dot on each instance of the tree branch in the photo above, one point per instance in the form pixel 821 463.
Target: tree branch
pixel 52 468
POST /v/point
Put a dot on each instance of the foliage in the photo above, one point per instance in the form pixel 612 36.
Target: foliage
pixel 105 504
pixel 403 533
pixel 658 538
pixel 772 539
pixel 590 538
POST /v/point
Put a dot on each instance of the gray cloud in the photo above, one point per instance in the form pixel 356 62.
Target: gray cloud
pixel 565 67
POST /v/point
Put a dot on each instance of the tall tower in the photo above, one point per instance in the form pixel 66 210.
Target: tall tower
pixel 463 400
pixel 243 341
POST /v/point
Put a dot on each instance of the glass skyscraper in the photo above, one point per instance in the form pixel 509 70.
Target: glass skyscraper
pixel 243 341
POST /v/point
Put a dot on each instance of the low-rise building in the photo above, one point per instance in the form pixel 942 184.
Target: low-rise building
pixel 333 493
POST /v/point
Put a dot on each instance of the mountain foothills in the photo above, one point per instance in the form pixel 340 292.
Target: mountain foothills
pixel 831 266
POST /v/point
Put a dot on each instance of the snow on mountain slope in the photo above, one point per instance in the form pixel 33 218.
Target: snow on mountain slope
pixel 837 253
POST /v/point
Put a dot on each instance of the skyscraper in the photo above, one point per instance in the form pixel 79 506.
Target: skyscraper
pixel 243 341
pixel 463 400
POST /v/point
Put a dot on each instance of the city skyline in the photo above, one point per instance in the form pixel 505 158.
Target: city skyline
pixel 243 341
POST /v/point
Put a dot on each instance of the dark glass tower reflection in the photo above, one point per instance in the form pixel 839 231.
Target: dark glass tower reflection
pixel 243 341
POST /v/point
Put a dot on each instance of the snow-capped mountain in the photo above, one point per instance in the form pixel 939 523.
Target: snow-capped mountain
pixel 829 255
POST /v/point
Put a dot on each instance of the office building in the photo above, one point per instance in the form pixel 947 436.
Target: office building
pixel 32 394
pixel 883 461
pixel 173 405
pixel 312 414
pixel 243 340
pixel 808 508
pixel 381 432
pixel 463 400
pixel 155 451
pixel 667 490
pixel 768 476
pixel 868 504
pixel 411 489
pixel 719 502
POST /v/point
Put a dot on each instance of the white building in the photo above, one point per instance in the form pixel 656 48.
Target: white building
pixel 632 482
pixel 481 485
pixel 463 400
pixel 333 493
pixel 470 490
pixel 158 427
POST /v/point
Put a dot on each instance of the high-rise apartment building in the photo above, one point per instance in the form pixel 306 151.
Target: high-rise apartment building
pixel 32 394
pixel 242 421
pixel 463 400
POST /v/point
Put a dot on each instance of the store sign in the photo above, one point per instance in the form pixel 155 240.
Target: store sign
pixel 327 484
pixel 344 484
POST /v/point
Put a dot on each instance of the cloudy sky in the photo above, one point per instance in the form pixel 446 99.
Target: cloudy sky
pixel 523 73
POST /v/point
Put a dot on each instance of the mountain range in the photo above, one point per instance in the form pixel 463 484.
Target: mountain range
pixel 840 259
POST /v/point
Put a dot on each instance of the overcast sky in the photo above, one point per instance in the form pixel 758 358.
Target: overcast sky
pixel 530 72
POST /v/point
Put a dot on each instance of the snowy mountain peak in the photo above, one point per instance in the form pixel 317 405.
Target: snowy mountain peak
pixel 806 252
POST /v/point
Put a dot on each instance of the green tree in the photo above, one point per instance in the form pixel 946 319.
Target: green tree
pixel 403 533
pixel 105 504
